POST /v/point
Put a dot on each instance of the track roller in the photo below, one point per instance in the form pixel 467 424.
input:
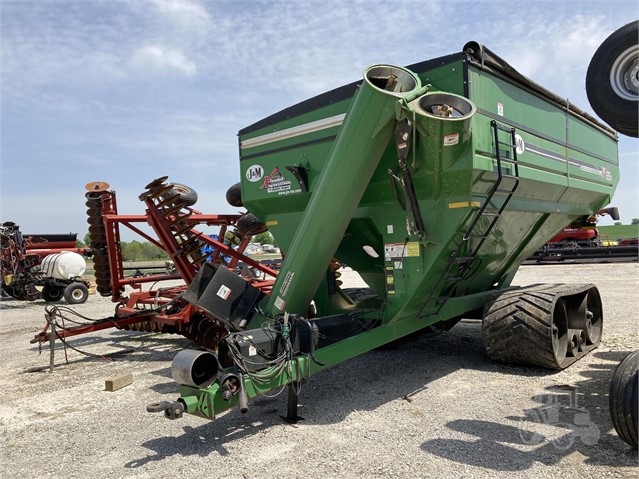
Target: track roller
pixel 551 326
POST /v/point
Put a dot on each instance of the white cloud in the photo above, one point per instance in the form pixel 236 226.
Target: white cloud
pixel 152 86
pixel 162 59
pixel 183 11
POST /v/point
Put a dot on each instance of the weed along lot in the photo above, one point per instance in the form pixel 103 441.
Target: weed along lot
pixel 431 406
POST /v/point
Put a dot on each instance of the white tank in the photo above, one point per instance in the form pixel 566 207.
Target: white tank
pixel 64 265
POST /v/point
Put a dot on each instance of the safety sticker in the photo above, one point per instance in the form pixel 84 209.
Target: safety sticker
pixel 393 251
pixel 224 292
pixel 390 279
pixel 451 140
pixel 280 303
pixel 500 108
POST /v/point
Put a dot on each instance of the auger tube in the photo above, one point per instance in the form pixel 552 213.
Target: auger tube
pixel 367 129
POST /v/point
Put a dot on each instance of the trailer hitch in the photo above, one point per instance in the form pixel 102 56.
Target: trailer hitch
pixel 172 409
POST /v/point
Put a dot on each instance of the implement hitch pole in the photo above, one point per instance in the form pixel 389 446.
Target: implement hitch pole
pixel 51 342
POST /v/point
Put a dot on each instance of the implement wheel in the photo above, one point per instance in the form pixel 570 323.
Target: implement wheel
pixel 250 225
pixel 623 399
pixel 51 294
pixel 234 195
pixel 76 293
pixel 187 195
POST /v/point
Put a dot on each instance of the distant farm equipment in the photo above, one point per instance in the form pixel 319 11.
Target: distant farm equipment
pixel 42 266
pixel 581 241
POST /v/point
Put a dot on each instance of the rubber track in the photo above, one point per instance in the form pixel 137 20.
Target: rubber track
pixel 516 325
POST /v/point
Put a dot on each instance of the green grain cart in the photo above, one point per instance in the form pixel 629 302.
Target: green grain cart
pixel 434 182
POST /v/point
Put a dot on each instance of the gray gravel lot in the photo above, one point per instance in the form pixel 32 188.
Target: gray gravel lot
pixel 430 407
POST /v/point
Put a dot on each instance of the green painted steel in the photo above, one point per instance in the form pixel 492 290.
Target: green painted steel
pixel 567 168
pixel 207 402
pixel 351 162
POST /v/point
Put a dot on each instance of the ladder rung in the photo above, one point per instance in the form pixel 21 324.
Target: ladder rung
pixel 451 278
pixel 504 175
pixel 464 259
pixel 510 145
pixel 490 214
pixel 508 160
pixel 503 190
pixel 477 236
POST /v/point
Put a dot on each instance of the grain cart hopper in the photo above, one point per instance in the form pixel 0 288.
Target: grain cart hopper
pixel 434 182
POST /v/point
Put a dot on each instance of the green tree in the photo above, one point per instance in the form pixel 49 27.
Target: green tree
pixel 264 238
pixel 131 251
pixel 150 251
pixel 618 223
pixel 635 221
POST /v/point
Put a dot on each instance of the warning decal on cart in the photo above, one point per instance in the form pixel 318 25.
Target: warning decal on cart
pixel 450 140
pixel 401 250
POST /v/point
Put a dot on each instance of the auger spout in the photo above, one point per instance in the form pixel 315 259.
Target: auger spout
pixel 355 154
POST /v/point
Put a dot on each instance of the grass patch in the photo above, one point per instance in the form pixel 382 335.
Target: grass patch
pixel 616 232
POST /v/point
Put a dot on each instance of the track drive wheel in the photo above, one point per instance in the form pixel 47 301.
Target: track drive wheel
pixel 550 326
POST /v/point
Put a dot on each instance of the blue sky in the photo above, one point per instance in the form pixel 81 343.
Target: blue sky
pixel 126 91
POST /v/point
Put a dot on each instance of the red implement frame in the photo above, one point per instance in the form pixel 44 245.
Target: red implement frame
pixel 150 306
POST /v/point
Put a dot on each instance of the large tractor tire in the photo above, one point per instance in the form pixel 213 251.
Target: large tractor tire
pixel 624 398
pixel 612 80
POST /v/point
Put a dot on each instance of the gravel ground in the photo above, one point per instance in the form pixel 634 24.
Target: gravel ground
pixel 430 407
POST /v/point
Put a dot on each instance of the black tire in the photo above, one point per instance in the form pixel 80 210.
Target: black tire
pixel 76 293
pixel 623 399
pixel 234 195
pixel 612 91
pixel 250 225
pixel 188 196
pixel 8 290
pixel 51 294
